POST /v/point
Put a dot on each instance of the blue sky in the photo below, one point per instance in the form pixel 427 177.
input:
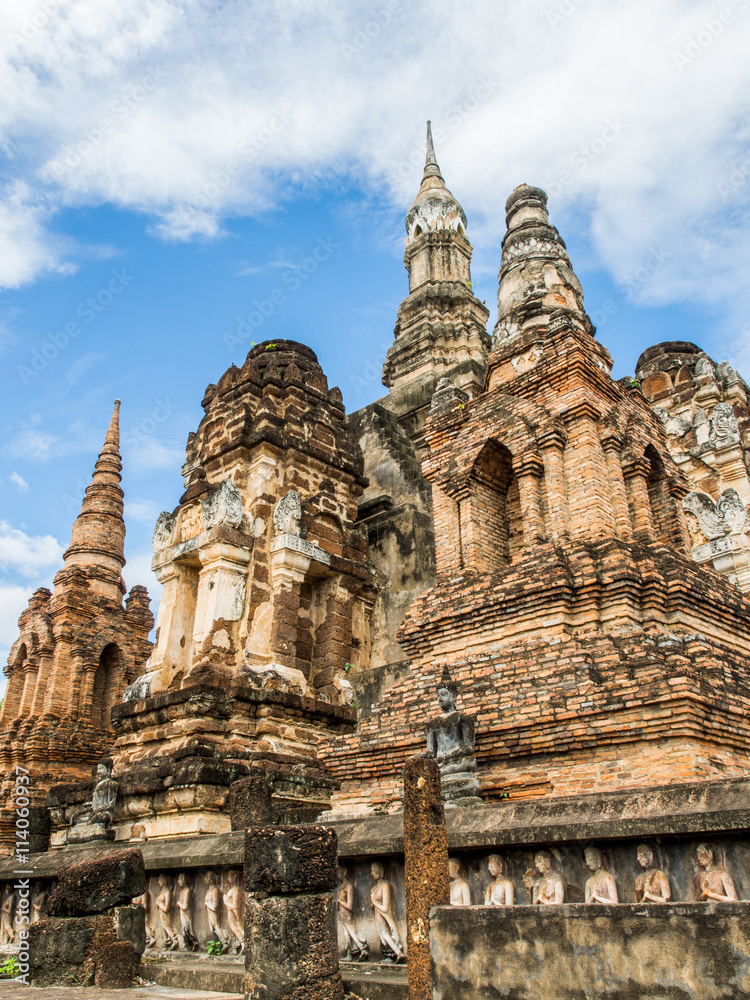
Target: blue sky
pixel 170 167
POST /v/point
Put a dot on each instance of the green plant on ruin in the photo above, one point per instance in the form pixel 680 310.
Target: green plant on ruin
pixel 214 947
pixel 10 967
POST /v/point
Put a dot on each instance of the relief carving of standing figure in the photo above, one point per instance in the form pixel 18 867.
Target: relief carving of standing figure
pixel 600 886
pixel 357 949
pixel 714 881
pixel 164 906
pixel 460 892
pixel 381 900
pixel 39 903
pixel 213 902
pixel 233 903
pixel 188 940
pixel 500 891
pixel 145 902
pixel 652 886
pixel 7 931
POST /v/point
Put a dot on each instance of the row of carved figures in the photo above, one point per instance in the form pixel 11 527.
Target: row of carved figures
pixel 546 884
pixel 10 910
pixel 381 902
pixel 174 909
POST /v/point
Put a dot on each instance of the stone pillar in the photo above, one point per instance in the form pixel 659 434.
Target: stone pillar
pixel 448 538
pixel 291 946
pixel 636 477
pixel 30 670
pixel 45 661
pixel 552 444
pixel 529 470
pixel 678 522
pixel 624 528
pixel 426 866
pixel 13 694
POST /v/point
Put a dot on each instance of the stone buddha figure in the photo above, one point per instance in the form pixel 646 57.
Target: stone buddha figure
pixel 652 885
pixel 600 886
pixel 714 881
pixel 94 821
pixel 500 891
pixel 549 889
pixel 451 741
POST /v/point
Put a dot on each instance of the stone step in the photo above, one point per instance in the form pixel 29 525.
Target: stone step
pixel 370 981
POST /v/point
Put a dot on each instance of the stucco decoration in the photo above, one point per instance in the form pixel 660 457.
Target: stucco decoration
pixel 163 532
pixel 288 513
pixel 224 506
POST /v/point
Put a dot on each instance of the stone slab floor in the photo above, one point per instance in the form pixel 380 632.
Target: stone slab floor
pixel 10 990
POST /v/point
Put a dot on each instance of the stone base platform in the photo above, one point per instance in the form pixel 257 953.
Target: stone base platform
pixel 11 990
pixel 225 974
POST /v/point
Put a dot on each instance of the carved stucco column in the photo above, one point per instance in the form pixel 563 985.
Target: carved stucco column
pixel 221 586
pixel 635 474
pixel 172 653
pixel 612 447
pixel 552 444
pixel 529 469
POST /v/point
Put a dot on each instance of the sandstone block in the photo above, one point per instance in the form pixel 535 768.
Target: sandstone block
pixel 291 948
pixel 91 887
pixel 284 860
pixel 250 802
pixel 86 951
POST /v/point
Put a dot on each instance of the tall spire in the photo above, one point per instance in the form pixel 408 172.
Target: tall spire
pixel 97 541
pixel 431 168
pixel 434 207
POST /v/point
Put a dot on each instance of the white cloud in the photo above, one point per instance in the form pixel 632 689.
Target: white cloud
pixel 28 555
pixel 193 112
pixel 138 571
pixel 146 454
pixel 141 510
pixel 13 600
pixel 19 481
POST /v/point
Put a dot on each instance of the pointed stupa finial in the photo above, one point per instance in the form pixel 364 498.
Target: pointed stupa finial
pixel 98 535
pixel 431 168
pixel 109 457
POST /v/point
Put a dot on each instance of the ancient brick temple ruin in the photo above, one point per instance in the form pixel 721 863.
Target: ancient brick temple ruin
pixel 560 559
pixel 78 648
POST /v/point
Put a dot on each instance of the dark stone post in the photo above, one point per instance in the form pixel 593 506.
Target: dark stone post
pixel 426 863
pixel 291 946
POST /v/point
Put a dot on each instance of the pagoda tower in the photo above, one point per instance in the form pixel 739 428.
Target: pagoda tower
pixel 593 651
pixel 440 328
pixel 78 648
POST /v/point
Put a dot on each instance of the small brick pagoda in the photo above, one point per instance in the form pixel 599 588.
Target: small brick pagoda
pixel 78 648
